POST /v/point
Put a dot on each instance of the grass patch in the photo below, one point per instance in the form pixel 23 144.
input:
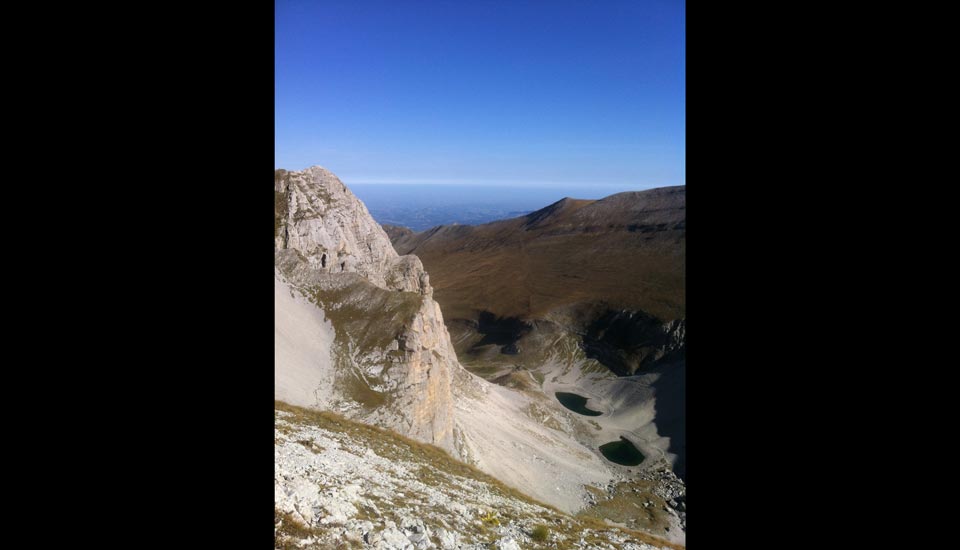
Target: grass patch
pixel 540 533
pixel 368 316
pixel 287 530
pixel 490 519
pixel 356 388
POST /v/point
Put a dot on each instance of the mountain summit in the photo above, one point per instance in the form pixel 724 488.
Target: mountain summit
pixel 317 216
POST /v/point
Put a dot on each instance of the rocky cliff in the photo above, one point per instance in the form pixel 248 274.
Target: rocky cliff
pixel 316 215
pixel 391 355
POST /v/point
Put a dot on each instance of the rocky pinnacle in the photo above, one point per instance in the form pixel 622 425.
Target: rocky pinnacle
pixel 333 231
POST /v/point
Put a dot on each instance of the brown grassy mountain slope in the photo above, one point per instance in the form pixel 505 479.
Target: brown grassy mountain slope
pixel 626 250
pixel 396 232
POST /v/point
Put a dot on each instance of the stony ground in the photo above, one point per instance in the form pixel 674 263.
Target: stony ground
pixel 342 484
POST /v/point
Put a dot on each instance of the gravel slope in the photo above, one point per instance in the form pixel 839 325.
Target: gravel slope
pixel 303 339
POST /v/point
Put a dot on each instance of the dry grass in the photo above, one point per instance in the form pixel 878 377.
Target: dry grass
pixel 350 385
pixel 561 264
pixel 436 467
pixel 365 318
pixel 287 530
pixel 625 505
pixel 520 381
pixel 369 316
pixel 641 536
pixel 558 262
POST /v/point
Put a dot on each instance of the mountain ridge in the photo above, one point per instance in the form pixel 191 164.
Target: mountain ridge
pixel 630 243
pixel 564 205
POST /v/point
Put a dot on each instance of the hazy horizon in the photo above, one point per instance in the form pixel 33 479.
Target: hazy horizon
pixel 423 206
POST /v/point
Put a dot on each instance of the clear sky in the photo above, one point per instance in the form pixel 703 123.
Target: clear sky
pixel 512 92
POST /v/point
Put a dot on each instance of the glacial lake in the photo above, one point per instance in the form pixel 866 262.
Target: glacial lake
pixel 622 452
pixel 576 403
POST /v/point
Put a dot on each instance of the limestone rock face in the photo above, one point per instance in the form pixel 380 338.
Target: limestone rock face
pixel 392 353
pixel 427 402
pixel 331 228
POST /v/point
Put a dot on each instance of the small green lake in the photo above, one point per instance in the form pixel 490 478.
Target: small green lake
pixel 576 403
pixel 622 452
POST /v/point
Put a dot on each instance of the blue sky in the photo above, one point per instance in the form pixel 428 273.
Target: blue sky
pixel 483 92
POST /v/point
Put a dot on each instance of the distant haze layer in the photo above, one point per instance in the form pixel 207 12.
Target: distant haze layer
pixel 421 207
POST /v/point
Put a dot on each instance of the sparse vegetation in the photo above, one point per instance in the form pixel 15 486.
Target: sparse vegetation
pixel 436 469
pixel 365 318
pixel 287 530
pixel 279 211
pixel 632 503
pixel 392 445
pixel 280 201
pixel 490 519
pixel 539 377
pixel 544 416
pixel 349 384
pixel 517 380
pixel 367 315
